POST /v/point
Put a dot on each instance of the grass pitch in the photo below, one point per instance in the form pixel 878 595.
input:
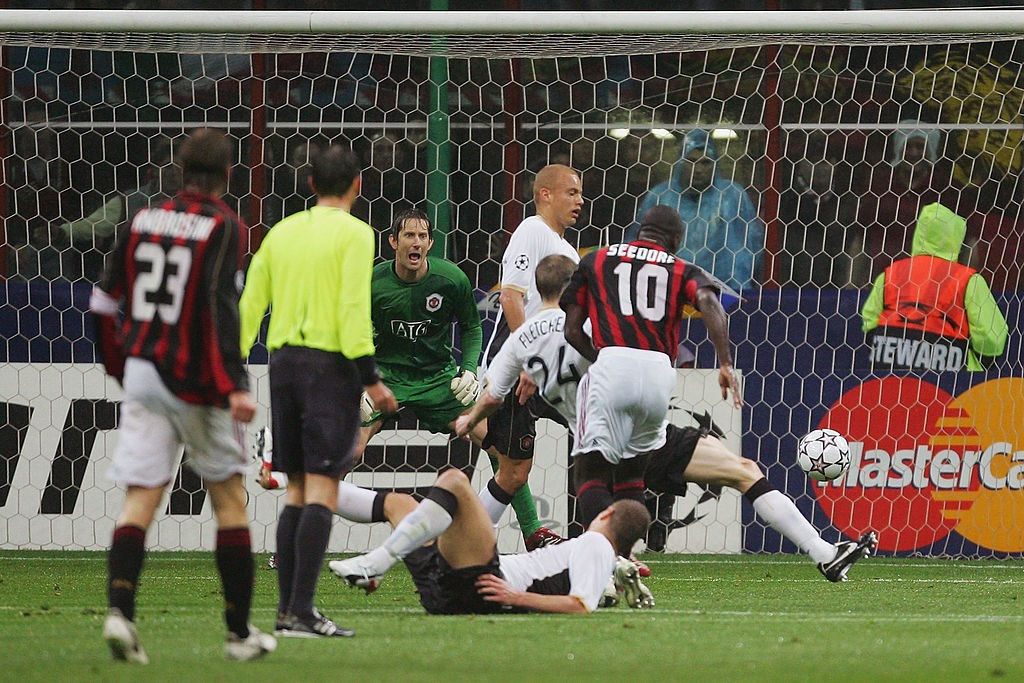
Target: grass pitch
pixel 717 618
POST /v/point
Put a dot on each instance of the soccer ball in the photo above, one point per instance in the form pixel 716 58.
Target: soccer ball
pixel 823 454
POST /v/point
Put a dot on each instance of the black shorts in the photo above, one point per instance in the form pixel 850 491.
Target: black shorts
pixel 314 409
pixel 444 590
pixel 512 429
pixel 664 473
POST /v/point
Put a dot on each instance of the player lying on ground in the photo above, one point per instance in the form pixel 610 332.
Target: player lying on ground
pixel 462 572
pixel 689 454
pixel 358 504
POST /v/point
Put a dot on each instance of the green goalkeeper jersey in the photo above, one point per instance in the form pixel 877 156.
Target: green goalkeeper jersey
pixel 412 322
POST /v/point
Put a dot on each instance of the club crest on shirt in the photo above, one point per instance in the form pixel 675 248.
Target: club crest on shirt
pixel 434 302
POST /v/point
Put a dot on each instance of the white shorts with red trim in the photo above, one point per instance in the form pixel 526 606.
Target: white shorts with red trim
pixel 155 424
pixel 622 403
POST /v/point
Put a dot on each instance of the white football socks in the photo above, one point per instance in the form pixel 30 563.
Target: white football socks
pixel 782 514
pixel 355 503
pixel 428 521
pixel 495 508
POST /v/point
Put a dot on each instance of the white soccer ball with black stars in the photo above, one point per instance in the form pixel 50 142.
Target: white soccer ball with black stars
pixel 823 454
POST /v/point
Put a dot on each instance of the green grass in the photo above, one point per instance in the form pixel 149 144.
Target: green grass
pixel 718 618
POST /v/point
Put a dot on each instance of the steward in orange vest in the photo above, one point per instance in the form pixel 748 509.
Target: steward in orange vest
pixel 928 312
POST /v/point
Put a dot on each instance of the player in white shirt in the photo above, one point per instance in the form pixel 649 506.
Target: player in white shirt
pixel 538 348
pixel 462 572
pixel 689 454
pixel 530 242
pixel 558 196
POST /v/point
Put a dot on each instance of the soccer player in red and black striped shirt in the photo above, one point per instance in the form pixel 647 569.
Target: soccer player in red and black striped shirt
pixel 168 329
pixel 634 294
pixel 175 267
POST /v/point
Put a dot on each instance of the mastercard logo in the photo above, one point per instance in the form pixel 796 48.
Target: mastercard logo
pixel 925 463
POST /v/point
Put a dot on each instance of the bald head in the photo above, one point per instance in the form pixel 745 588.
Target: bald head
pixel 551 176
pixel 558 195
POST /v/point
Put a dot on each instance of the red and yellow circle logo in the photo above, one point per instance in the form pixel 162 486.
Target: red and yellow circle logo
pixel 924 463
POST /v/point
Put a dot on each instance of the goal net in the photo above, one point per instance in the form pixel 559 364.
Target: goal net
pixel 822 135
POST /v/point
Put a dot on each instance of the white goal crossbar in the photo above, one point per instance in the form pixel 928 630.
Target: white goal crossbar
pixel 469 34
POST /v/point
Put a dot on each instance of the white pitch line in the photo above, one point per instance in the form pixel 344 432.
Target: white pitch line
pixel 909 563
pixel 715 579
pixel 1015 564
pixel 872 616
pixel 655 613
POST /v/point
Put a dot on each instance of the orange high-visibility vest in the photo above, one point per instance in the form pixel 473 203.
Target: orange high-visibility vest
pixel 923 324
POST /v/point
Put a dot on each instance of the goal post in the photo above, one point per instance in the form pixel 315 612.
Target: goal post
pixel 837 127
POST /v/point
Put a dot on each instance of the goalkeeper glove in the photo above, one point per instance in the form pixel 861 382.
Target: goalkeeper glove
pixel 465 387
pixel 366 408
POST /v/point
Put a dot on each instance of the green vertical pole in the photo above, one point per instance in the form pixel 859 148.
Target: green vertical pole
pixel 438 143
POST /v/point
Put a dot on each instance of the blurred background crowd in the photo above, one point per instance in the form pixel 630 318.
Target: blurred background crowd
pixel 834 148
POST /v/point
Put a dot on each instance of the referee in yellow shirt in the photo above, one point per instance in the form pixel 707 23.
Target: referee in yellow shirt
pixel 314 269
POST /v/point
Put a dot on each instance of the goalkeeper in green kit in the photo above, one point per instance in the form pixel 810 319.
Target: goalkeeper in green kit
pixel 414 302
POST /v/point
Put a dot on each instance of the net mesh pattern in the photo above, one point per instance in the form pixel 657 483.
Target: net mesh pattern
pixel 825 148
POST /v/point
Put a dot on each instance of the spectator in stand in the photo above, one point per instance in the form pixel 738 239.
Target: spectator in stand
pixel 928 312
pixel 723 235
pixel 997 250
pixel 90 238
pixel 895 194
pixel 392 179
pixel 291 191
pixel 40 194
pixel 817 213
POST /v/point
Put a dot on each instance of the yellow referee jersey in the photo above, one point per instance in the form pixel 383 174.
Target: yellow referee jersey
pixel 314 270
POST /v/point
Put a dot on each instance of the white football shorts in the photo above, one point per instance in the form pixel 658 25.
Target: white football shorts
pixel 155 424
pixel 622 403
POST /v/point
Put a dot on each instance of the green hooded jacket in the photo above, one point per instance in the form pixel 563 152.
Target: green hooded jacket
pixel 940 233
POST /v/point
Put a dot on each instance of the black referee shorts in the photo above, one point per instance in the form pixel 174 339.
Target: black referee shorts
pixel 314 408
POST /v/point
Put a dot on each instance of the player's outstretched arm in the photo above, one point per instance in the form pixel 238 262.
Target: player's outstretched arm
pixel 485 406
pixel 575 316
pixel 471 332
pixel 718 330
pixel 495 589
